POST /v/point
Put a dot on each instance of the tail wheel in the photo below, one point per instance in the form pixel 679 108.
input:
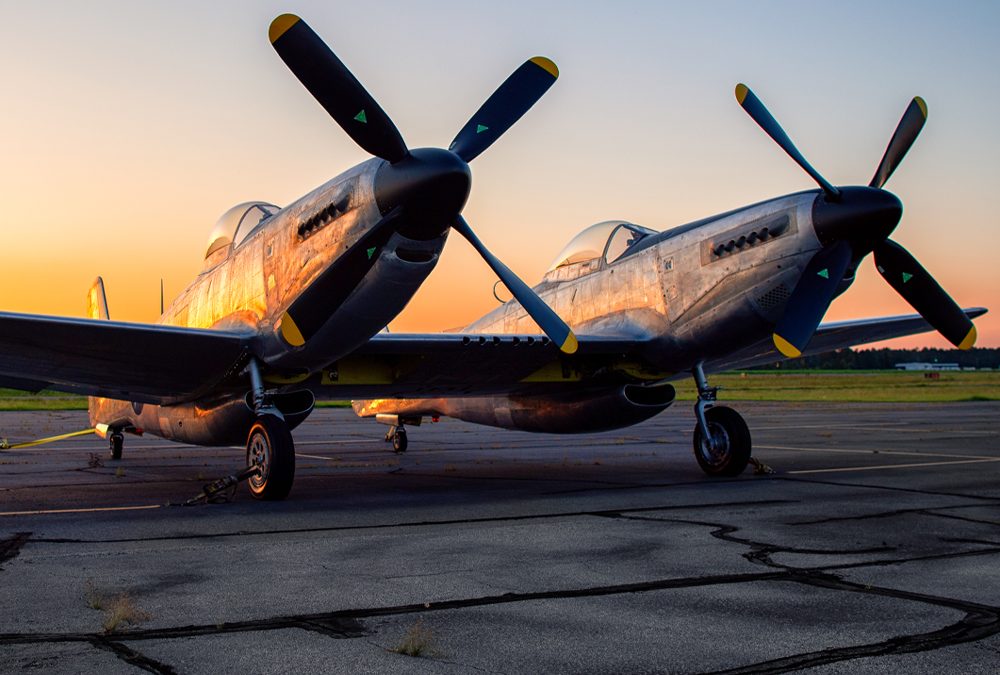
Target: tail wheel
pixel 399 441
pixel 116 441
pixel 270 449
pixel 729 452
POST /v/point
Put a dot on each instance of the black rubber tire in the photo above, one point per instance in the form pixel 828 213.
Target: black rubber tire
pixel 116 442
pixel 269 444
pixel 733 456
pixel 399 441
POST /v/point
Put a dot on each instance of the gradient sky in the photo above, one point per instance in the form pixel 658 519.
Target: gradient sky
pixel 129 127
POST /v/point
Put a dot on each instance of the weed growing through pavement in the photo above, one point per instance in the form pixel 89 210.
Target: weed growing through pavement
pixel 418 641
pixel 119 611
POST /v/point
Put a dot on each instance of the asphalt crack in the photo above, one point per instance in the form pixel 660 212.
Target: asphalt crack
pixel 980 621
pixel 131 656
pixel 411 524
pixel 11 547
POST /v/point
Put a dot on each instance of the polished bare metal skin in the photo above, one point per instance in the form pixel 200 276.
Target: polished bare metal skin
pixel 696 293
pixel 707 294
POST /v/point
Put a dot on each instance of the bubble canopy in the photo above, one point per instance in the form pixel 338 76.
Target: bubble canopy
pixel 235 224
pixel 611 237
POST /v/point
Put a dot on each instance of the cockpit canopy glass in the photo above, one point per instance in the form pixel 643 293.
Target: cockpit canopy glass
pixel 612 239
pixel 235 224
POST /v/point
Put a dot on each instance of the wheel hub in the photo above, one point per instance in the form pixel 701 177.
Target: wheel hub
pixel 259 455
pixel 715 448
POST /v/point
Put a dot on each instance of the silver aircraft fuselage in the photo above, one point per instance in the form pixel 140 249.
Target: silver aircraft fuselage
pixel 682 297
pixel 249 284
pixel 698 291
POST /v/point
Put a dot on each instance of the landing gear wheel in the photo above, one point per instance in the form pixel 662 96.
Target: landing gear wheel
pixel 270 448
pixel 729 453
pixel 116 441
pixel 399 441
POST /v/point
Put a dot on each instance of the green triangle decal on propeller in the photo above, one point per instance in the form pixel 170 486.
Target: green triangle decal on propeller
pixel 825 273
pixel 906 277
pixel 361 117
pixel 371 252
pixel 480 128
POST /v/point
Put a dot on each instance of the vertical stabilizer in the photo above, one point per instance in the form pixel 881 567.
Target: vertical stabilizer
pixel 97 302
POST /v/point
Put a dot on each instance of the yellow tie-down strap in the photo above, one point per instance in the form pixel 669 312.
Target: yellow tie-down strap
pixel 5 445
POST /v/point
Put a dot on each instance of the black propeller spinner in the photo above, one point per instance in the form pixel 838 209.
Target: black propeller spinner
pixel 852 222
pixel 422 192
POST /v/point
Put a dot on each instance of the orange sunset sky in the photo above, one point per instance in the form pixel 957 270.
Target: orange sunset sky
pixel 129 127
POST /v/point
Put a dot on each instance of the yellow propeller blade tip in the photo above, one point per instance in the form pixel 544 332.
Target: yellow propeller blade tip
pixel 923 105
pixel 280 26
pixel 290 332
pixel 969 340
pixel 546 65
pixel 569 345
pixel 741 92
pixel 786 347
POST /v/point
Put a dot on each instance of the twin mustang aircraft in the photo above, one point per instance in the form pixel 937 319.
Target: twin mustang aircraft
pixel 292 302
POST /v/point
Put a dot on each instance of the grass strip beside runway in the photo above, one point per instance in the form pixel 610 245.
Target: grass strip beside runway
pixel 880 386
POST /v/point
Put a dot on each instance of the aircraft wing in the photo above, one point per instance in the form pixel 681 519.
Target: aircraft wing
pixel 831 336
pixel 138 362
pixel 401 365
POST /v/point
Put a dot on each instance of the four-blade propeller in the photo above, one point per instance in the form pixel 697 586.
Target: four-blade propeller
pixel 850 223
pixel 422 191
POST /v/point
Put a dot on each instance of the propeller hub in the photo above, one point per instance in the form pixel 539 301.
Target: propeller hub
pixel 862 216
pixel 430 184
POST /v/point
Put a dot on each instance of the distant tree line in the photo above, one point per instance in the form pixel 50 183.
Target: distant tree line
pixel 886 359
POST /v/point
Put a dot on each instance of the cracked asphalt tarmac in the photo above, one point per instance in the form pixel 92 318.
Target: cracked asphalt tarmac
pixel 873 548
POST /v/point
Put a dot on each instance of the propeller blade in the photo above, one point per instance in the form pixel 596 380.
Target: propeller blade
pixel 504 107
pixel 749 101
pixel 544 316
pixel 324 296
pixel 811 298
pixel 898 267
pixel 902 138
pixel 336 89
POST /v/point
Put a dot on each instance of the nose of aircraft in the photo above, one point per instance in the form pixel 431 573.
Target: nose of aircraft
pixel 431 184
pixel 863 216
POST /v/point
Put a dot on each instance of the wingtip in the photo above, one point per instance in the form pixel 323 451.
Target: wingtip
pixel 547 65
pixel 785 347
pixel 280 26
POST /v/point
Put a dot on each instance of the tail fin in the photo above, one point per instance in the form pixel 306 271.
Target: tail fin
pixel 97 302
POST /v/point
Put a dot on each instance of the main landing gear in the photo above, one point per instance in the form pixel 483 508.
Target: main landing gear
pixel 269 446
pixel 721 438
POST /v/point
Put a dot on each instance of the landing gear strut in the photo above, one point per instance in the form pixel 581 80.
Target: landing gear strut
pixel 721 438
pixel 269 446
pixel 116 441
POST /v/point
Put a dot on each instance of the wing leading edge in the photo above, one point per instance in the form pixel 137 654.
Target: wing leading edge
pixel 455 365
pixel 835 335
pixel 139 362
